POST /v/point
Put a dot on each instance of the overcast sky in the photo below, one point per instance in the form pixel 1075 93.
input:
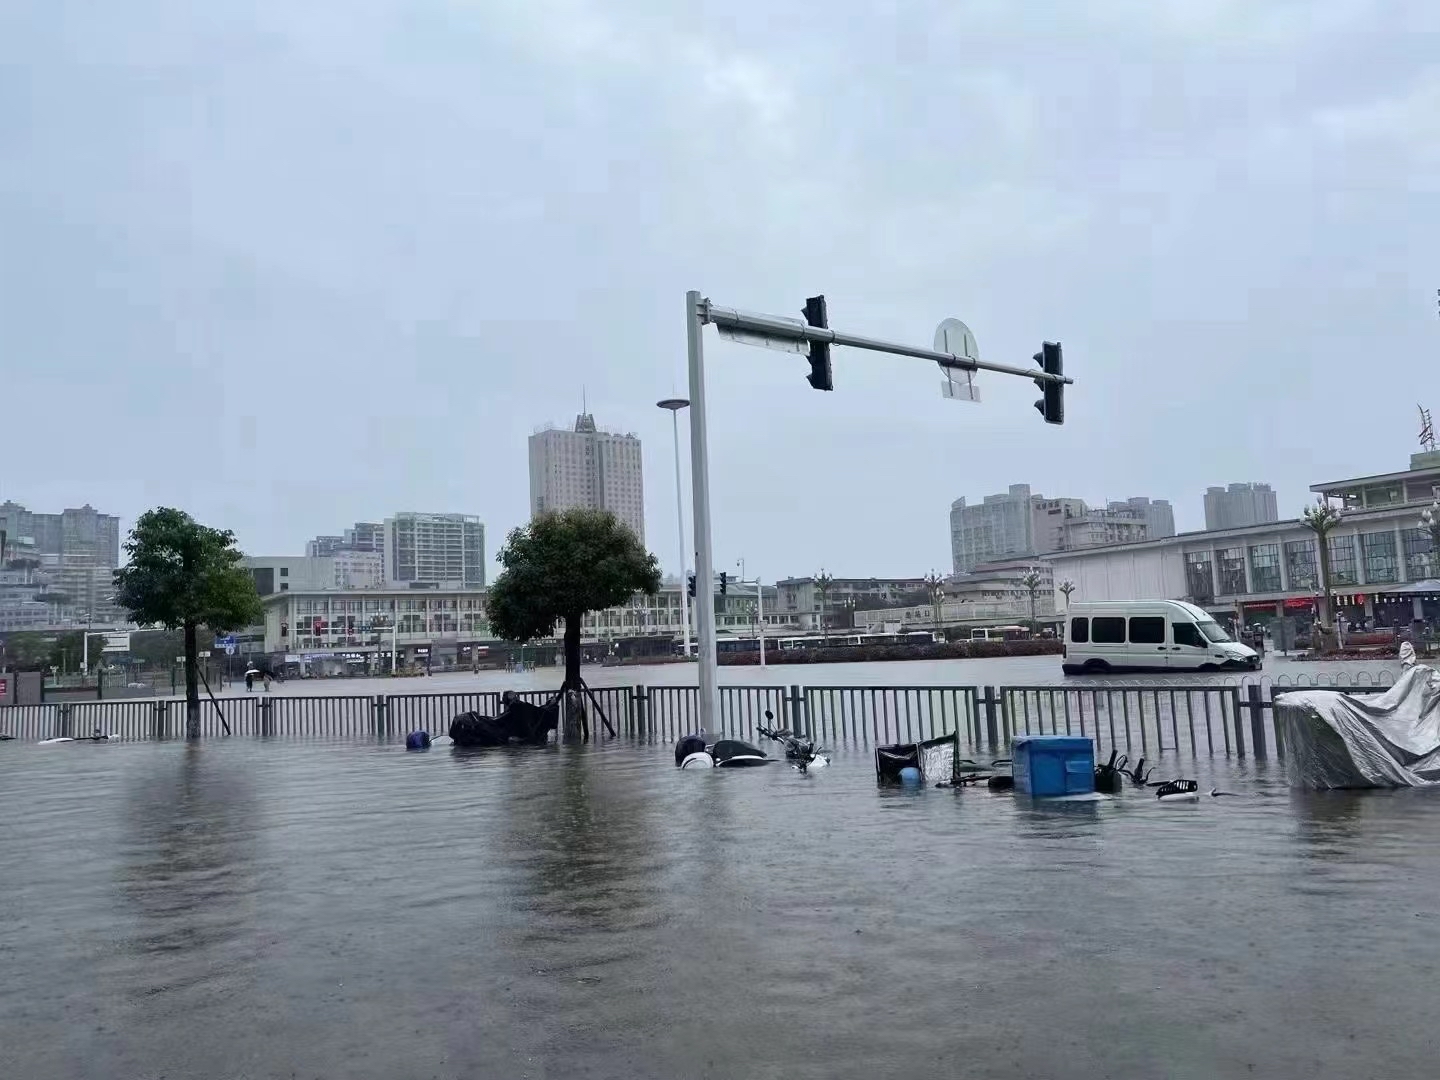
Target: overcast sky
pixel 290 265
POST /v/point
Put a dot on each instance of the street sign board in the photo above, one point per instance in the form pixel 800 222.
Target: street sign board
pixel 954 337
pixel 769 341
pixel 115 643
pixel 224 640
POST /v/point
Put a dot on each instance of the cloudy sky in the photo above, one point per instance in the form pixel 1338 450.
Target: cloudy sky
pixel 291 265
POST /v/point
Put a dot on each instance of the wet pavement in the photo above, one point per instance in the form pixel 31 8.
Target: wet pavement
pixel 277 909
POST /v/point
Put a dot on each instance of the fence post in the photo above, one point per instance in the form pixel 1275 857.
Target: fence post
pixel 1239 723
pixel 639 719
pixel 1279 728
pixel 160 720
pixel 380 715
pixel 1257 719
pixel 800 723
pixel 62 721
pixel 266 723
pixel 992 730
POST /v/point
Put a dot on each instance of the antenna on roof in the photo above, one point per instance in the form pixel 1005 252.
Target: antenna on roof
pixel 1427 430
pixel 584 401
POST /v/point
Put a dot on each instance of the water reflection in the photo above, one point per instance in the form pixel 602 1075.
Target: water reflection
pixel 586 842
pixel 189 877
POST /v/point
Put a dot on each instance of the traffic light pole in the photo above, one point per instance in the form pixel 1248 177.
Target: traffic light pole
pixel 783 329
pixel 709 678
pixel 698 312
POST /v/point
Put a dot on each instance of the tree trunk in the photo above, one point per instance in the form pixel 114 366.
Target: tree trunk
pixel 572 652
pixel 192 682
pixel 1032 614
pixel 570 702
pixel 1324 616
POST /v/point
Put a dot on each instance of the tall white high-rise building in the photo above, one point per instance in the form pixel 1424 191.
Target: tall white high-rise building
pixel 998 527
pixel 588 467
pixel 444 550
pixel 1239 505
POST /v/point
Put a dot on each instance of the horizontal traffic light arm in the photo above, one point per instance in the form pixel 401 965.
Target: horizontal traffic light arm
pixel 791 330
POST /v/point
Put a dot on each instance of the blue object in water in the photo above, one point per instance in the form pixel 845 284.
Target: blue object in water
pixel 910 775
pixel 1046 766
pixel 417 740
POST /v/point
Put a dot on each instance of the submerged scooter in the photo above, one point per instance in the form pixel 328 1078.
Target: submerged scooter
pixel 802 754
pixel 692 752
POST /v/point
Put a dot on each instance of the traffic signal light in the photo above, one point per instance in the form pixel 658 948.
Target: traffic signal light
pixel 691 589
pixel 724 581
pixel 820 372
pixel 1052 404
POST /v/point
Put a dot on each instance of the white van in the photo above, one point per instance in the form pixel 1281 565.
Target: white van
pixel 1149 635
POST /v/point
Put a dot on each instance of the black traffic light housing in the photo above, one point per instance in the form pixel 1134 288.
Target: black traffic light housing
pixel 1052 362
pixel 724 581
pixel 820 372
pixel 691 588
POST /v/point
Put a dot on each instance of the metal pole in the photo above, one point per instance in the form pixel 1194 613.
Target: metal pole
pixel 680 531
pixel 760 613
pixel 709 673
pixel 791 330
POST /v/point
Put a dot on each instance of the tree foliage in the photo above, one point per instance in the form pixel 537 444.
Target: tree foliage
pixel 563 564
pixel 38 650
pixel 183 573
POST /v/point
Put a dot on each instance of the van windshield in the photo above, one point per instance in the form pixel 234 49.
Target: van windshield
pixel 1211 629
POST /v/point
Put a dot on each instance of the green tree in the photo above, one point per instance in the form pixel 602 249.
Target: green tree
pixel 184 575
pixel 561 565
pixel 1067 587
pixel 1321 519
pixel 30 650
pixel 1032 582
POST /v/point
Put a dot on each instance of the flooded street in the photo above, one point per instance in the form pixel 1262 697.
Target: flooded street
pixel 277 909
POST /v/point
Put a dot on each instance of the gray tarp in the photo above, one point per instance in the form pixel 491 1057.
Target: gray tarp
pixel 1389 740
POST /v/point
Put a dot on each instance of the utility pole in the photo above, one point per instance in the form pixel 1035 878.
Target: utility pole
pixel 798 336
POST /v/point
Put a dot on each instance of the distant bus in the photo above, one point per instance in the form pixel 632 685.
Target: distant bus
pixel 998 633
pixel 838 640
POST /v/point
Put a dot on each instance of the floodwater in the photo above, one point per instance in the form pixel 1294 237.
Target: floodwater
pixel 282 909
pixel 1003 671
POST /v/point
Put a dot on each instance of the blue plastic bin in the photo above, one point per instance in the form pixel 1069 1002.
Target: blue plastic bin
pixel 1049 765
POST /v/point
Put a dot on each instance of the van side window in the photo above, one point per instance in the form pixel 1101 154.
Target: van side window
pixel 1187 633
pixel 1108 631
pixel 1080 630
pixel 1147 630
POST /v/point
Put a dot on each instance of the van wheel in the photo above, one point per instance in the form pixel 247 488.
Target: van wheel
pixel 1096 667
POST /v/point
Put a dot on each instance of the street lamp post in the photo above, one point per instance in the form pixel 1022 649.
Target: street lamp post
pixel 674 405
